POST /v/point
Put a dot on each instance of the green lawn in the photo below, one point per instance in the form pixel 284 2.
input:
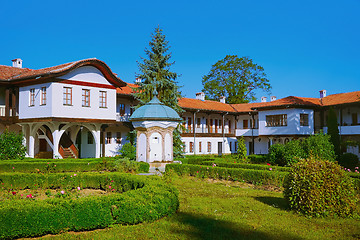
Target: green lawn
pixel 227 210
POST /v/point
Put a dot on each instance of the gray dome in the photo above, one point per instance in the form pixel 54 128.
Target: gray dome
pixel 155 110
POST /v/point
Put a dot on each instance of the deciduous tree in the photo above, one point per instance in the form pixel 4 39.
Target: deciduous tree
pixel 236 79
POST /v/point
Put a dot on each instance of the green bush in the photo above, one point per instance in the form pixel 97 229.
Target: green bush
pixel 319 147
pixel 319 188
pixel 241 149
pixel 11 146
pixel 128 151
pixel 276 155
pixel 349 160
pixel 137 199
pixel 294 151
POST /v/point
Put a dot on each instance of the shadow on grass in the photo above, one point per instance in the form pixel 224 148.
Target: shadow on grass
pixel 203 227
pixel 277 202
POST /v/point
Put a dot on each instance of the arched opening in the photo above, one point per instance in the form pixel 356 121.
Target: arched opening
pixel 44 142
pixel 85 143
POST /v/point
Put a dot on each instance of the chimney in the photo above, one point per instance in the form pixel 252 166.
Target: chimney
pixel 200 96
pixel 263 99
pixel 137 80
pixel 222 99
pixel 322 93
pixel 273 98
pixel 17 62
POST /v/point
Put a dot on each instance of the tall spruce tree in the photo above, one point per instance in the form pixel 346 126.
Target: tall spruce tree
pixel 333 131
pixel 155 74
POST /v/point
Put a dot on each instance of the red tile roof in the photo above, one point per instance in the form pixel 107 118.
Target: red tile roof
pixel 341 98
pixel 190 103
pixel 17 75
pixel 127 90
pixel 291 101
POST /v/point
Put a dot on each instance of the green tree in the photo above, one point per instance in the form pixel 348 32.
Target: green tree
pixel 236 79
pixel 155 74
pixel 333 131
pixel 241 149
pixel 11 146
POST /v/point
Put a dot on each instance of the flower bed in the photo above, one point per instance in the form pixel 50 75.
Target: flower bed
pixel 133 199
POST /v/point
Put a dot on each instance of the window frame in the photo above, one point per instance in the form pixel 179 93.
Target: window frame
pixel 43 96
pixel 32 97
pixel 85 97
pixel 108 139
pixel 277 120
pixel 122 109
pixel 304 119
pixel 67 91
pixel 118 138
pixel 102 99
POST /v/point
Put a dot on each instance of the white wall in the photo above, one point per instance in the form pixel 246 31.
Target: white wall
pixel 54 104
pixel 293 122
pixel 77 110
pixel 86 74
pixel 36 111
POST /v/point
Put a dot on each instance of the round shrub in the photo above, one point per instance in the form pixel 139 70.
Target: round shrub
pixel 349 160
pixel 276 155
pixel 319 188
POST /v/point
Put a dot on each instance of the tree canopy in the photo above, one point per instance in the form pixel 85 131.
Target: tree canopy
pixel 156 77
pixel 236 79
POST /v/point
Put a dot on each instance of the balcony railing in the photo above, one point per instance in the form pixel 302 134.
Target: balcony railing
pixel 122 117
pixel 3 112
pixel 247 132
pixel 210 130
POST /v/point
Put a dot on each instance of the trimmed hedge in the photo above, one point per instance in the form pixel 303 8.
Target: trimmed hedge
pixel 65 165
pixel 234 174
pixel 245 166
pixel 148 200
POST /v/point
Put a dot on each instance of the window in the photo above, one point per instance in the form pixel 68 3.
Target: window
pixel 245 124
pixel 86 98
pixel 103 100
pixel 209 146
pixel 43 96
pixel 304 119
pixel 200 143
pixel 32 97
pixel 354 118
pixel 276 120
pixel 118 137
pixel 90 139
pixel 189 124
pixel 191 147
pixel 198 122
pixel 67 96
pixel 230 145
pixel 122 109
pixel 108 138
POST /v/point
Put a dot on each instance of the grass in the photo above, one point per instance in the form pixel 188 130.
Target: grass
pixel 228 210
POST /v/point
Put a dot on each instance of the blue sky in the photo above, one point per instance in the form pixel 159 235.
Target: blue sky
pixel 304 46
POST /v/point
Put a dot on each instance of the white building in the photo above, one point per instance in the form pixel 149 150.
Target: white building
pixel 82 109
